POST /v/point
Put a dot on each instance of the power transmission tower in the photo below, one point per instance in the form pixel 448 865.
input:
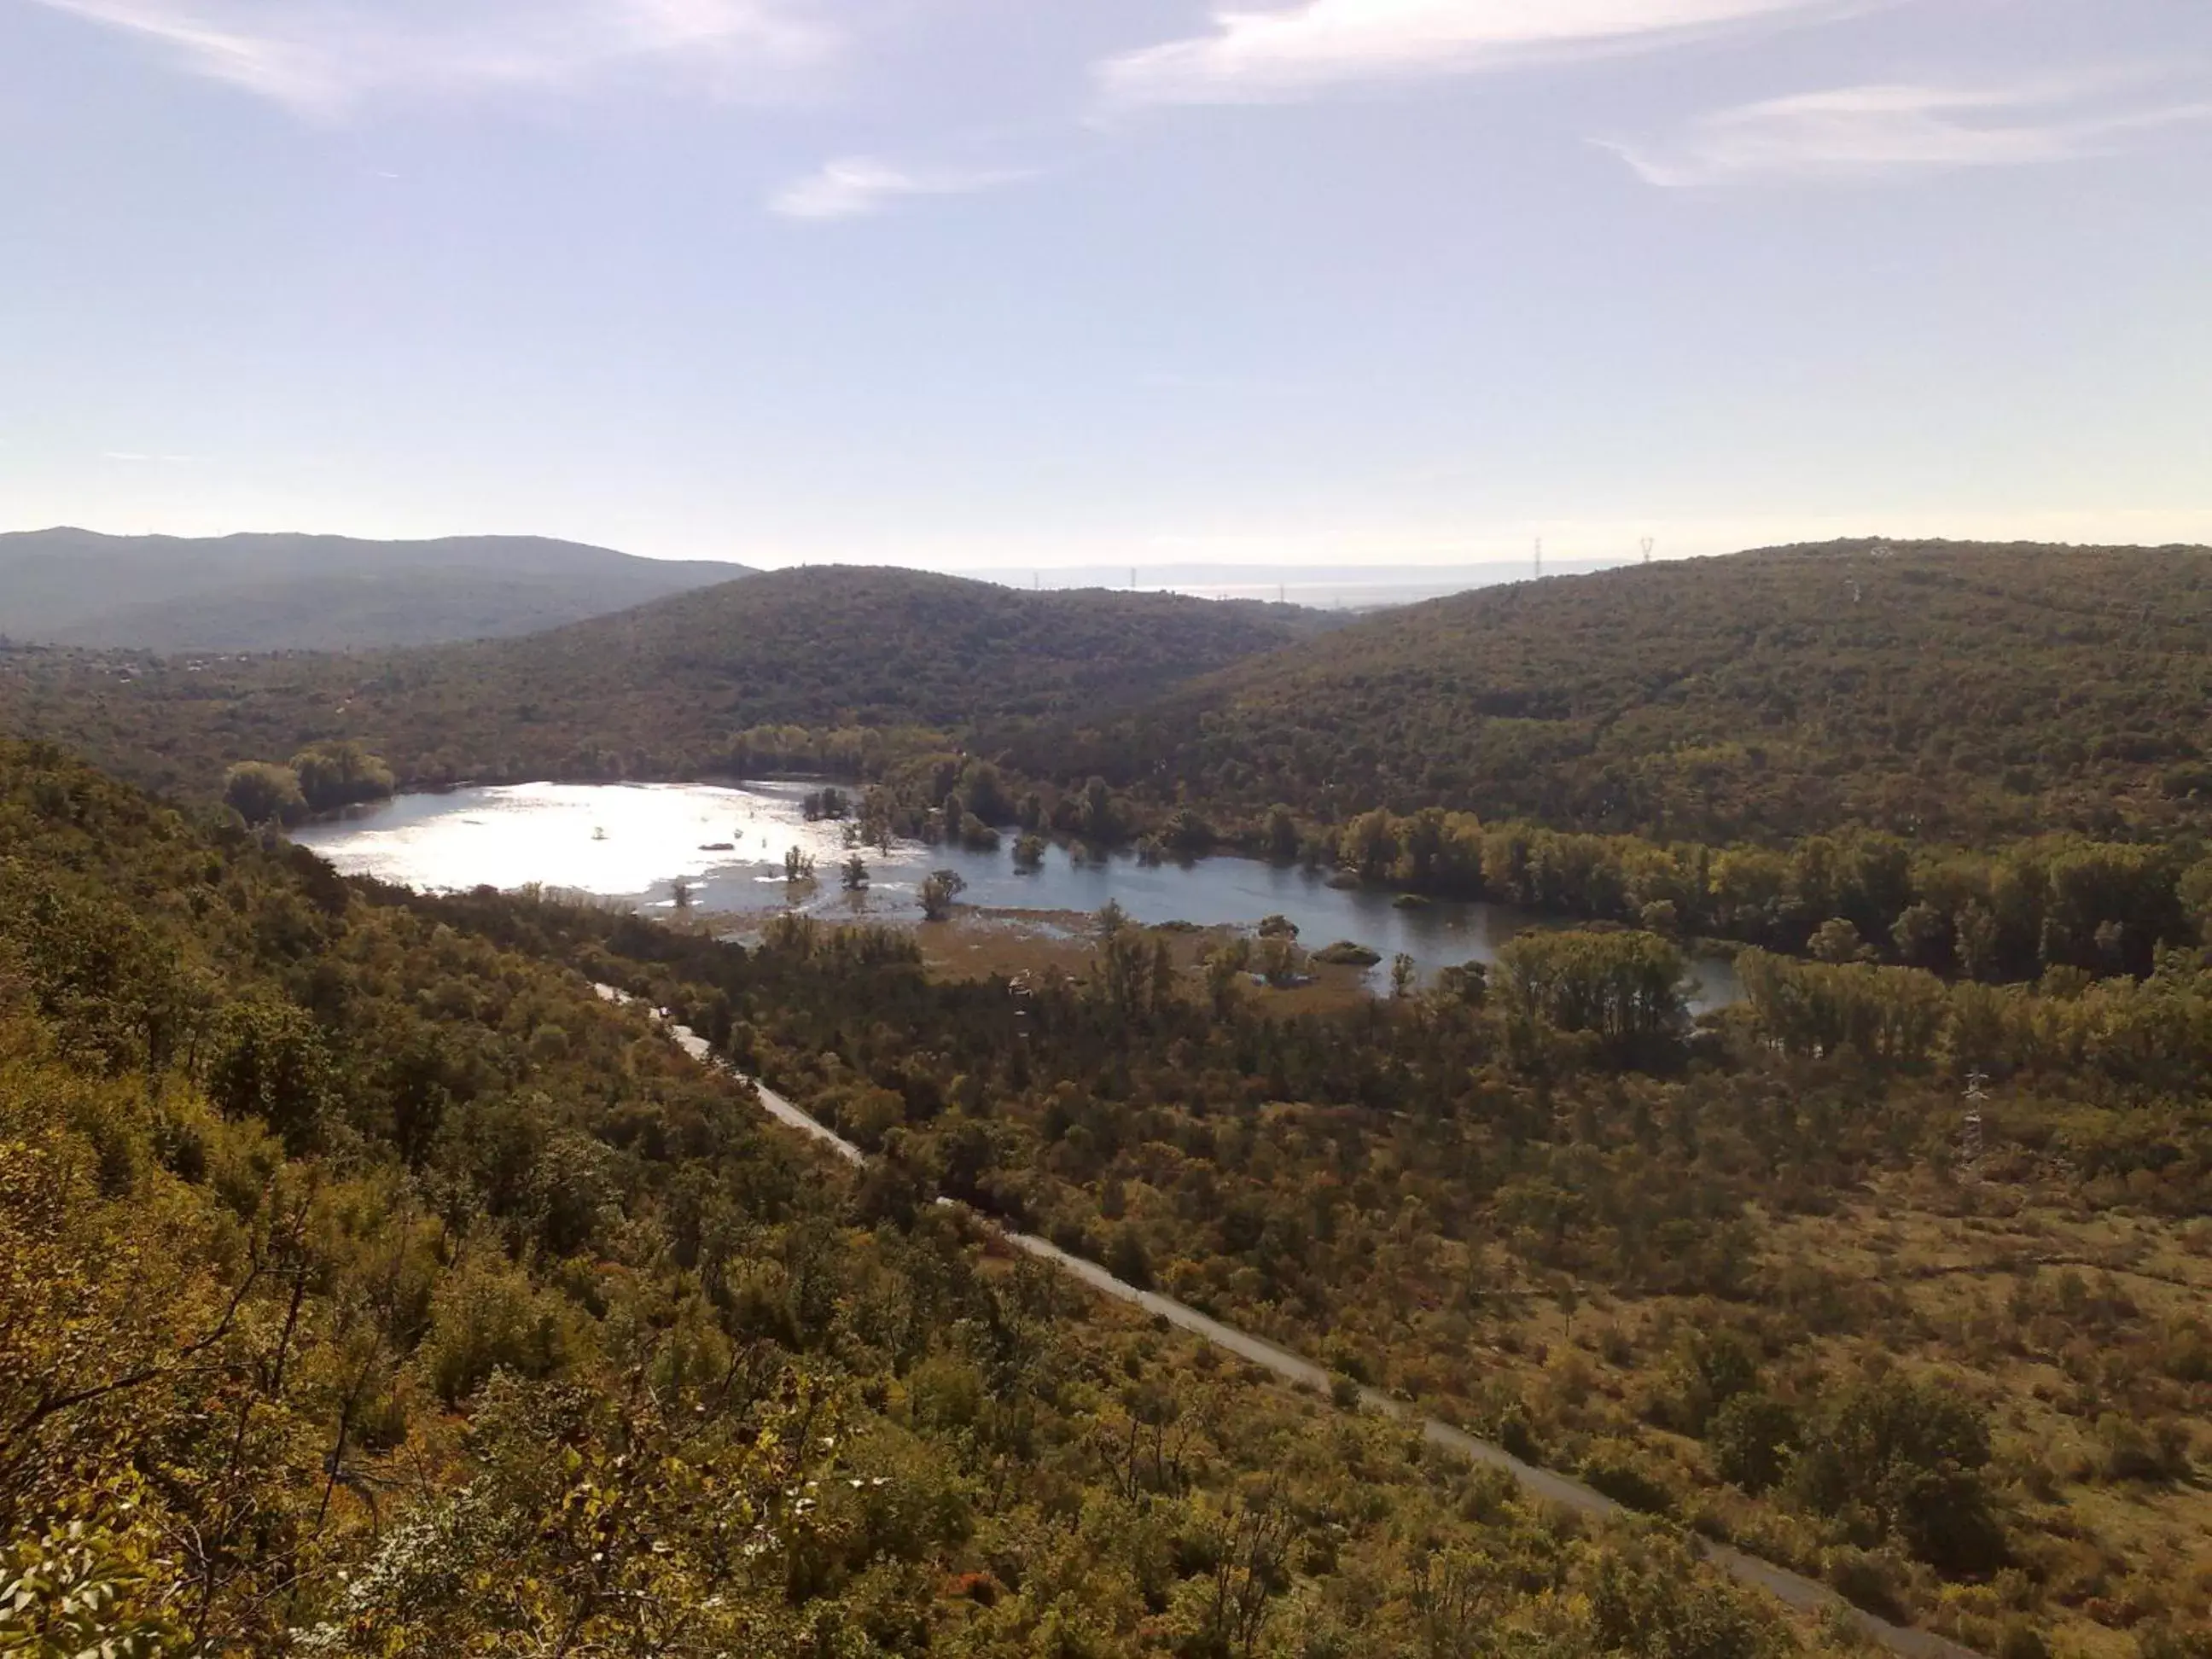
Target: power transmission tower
pixel 1539 557
pixel 1970 1142
pixel 1650 542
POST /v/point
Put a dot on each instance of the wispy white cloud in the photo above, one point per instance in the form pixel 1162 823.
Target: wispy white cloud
pixel 319 56
pixel 1251 56
pixel 1868 132
pixel 858 184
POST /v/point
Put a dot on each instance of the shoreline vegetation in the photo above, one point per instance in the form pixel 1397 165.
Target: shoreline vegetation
pixel 2009 915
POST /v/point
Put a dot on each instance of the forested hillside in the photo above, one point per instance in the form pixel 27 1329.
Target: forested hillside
pixel 369 1286
pixel 1755 1278
pixel 280 592
pixel 1955 693
pixel 372 1286
pixel 664 690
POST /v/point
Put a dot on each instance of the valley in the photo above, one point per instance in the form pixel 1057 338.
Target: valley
pixel 1636 1148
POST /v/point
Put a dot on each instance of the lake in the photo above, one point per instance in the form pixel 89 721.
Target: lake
pixel 631 841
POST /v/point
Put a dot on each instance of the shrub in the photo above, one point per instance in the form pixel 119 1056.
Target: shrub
pixel 487 1318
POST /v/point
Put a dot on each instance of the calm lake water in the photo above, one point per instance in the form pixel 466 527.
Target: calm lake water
pixel 630 842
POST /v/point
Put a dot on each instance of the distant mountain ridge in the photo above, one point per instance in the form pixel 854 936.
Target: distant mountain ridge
pixel 303 592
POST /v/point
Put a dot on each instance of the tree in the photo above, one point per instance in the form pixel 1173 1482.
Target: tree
pixel 1752 1437
pixel 1909 1457
pixel 268 1061
pixel 2194 893
pixel 856 874
pixel 1100 822
pixel 680 893
pixel 341 773
pixel 1404 970
pixel 262 793
pixel 1188 834
pixel 1625 987
pixel 798 864
pixel 939 889
pixel 1921 934
pixel 1837 940
pixel 986 795
pixel 1370 845
pixel 1468 984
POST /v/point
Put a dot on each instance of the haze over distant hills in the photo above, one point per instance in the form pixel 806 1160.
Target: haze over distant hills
pixel 1323 586
pixel 274 592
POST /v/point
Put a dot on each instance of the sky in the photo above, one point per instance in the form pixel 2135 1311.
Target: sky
pixel 1019 283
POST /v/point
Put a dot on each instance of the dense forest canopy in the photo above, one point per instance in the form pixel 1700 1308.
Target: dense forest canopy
pixel 278 593
pixel 1956 693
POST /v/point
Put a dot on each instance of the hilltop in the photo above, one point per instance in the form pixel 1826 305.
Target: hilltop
pixel 261 592
pixel 1949 690
pixel 660 691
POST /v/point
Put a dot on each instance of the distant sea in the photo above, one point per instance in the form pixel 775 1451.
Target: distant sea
pixel 1351 587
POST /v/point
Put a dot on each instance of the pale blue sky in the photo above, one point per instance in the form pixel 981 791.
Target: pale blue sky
pixel 1019 282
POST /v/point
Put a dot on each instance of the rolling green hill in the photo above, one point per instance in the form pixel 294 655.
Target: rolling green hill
pixel 656 691
pixel 314 593
pixel 1952 691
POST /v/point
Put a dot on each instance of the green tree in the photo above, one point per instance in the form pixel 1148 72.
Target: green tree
pixel 1923 936
pixel 1908 1457
pixel 1624 987
pixel 341 773
pixel 1753 1438
pixel 262 793
pixel 1100 822
pixel 268 1061
pixel 938 891
pixel 1837 940
pixel 1404 973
